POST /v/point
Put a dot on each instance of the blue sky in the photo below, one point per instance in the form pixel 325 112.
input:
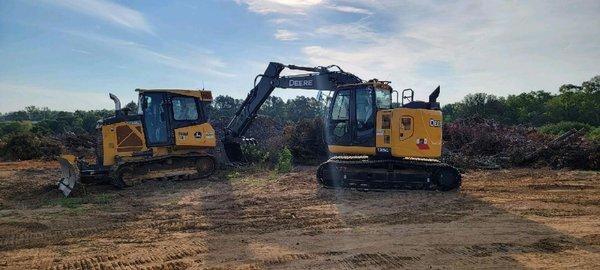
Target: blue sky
pixel 68 54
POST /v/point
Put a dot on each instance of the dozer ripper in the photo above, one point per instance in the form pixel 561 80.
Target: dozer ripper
pixel 169 137
pixel 373 144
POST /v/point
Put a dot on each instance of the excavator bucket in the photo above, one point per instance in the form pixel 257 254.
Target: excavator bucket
pixel 70 174
pixel 234 151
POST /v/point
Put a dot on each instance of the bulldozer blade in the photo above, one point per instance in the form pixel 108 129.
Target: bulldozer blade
pixel 233 150
pixel 70 174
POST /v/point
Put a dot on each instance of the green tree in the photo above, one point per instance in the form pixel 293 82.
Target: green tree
pixel 132 106
pixel 224 106
pixel 273 107
pixel 303 107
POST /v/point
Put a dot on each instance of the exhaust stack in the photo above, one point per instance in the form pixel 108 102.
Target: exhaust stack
pixel 117 102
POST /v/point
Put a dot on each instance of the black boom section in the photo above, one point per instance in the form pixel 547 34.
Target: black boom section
pixel 319 78
pixel 257 96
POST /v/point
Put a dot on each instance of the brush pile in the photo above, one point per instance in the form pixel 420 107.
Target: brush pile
pixel 484 143
pixel 473 143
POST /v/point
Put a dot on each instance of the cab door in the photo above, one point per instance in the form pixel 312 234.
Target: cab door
pixel 351 118
pixel 155 107
pixel 338 123
pixel 363 117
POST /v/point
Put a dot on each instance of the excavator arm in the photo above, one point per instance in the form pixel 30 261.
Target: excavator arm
pixel 319 78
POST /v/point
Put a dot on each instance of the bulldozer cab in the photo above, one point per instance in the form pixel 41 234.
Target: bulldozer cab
pixel 163 111
pixel 352 113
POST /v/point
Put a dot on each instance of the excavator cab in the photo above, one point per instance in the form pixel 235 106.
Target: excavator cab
pixel 352 114
pixel 362 121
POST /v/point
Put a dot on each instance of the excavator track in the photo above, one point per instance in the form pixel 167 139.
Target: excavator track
pixel 383 174
pixel 163 168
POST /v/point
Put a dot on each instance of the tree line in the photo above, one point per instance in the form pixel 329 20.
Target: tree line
pixel 575 103
pixel 573 106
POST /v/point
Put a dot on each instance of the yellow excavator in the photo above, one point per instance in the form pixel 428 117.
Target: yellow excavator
pixel 374 144
pixel 169 137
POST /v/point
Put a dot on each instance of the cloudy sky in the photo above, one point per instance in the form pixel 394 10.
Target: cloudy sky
pixel 67 54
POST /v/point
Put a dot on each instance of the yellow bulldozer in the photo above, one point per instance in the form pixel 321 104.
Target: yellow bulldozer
pixel 168 137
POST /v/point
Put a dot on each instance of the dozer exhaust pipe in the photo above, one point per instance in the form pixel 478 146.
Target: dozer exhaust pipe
pixel 117 103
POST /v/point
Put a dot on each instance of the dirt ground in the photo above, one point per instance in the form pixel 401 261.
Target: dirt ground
pixel 257 219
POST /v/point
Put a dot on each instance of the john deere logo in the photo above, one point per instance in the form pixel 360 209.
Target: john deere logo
pixel 300 83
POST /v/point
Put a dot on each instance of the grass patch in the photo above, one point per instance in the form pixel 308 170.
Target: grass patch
pixel 232 175
pixel 258 182
pixel 272 176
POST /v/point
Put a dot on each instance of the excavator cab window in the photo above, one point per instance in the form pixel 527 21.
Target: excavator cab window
pixel 364 109
pixel 383 98
pixel 351 118
pixel 339 120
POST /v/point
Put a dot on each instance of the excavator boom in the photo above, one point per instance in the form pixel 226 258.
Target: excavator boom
pixel 320 78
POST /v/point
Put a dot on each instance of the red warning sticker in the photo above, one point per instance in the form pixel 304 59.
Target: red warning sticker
pixel 422 144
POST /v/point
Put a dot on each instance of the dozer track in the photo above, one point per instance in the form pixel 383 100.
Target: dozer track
pixel 382 174
pixel 180 167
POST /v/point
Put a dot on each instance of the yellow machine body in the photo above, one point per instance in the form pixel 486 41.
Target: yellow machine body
pixel 405 132
pixel 183 124
pixel 410 132
pixel 126 139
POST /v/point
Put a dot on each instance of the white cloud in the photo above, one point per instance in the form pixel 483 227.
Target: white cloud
pixel 13 95
pixel 355 31
pixel 280 6
pixel 297 7
pixel 188 58
pixel 496 47
pixel 350 9
pixel 286 35
pixel 107 11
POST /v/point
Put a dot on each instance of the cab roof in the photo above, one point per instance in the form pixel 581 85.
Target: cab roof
pixel 374 82
pixel 204 95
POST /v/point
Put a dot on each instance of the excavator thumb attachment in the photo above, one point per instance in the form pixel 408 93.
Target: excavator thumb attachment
pixel 70 174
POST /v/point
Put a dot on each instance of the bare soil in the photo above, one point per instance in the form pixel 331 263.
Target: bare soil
pixel 255 219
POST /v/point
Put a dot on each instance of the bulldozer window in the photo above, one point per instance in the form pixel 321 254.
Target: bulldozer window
pixel 155 120
pixel 184 109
